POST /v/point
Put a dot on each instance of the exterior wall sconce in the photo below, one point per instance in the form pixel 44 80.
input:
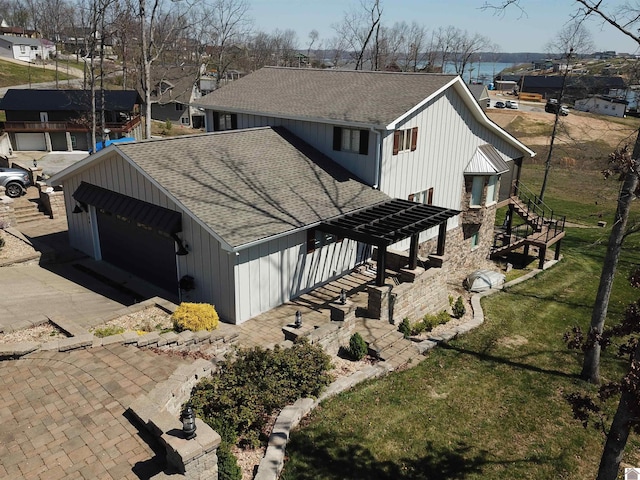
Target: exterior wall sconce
pixel 188 418
pixel 298 322
pixel 187 283
pixel 343 296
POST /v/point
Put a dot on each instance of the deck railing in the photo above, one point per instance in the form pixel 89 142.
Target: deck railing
pixel 67 126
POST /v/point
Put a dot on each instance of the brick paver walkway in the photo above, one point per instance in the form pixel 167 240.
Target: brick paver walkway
pixel 62 414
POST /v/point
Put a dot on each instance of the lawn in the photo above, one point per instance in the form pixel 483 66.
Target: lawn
pixel 14 74
pixel 490 404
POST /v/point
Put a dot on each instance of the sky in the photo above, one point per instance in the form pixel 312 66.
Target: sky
pixel 512 30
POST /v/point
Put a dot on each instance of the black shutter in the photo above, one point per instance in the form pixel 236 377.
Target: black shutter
pixel 337 138
pixel 216 122
pixel 234 121
pixel 396 142
pixel 414 138
pixel 364 142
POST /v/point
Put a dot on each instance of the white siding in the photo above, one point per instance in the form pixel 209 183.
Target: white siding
pixel 210 266
pixel 272 273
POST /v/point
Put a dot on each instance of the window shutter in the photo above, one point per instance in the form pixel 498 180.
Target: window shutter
pixel 414 138
pixel 364 142
pixel 430 196
pixel 337 138
pixel 396 142
pixel 234 121
pixel 216 121
pixel 411 197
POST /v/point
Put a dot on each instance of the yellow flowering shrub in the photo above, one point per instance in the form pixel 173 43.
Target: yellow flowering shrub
pixel 195 316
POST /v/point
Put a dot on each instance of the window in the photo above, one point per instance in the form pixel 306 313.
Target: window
pixel 317 238
pixel 491 189
pixel 224 121
pixel 184 120
pixel 476 191
pixel 475 240
pixel 351 140
pixel 425 197
pixel 179 107
pixel 74 142
pixel 23 49
pixel 405 140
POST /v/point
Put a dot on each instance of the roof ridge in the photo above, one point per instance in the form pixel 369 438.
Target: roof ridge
pixel 341 70
pixel 196 135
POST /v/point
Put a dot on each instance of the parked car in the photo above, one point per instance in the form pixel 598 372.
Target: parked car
pixel 14 180
pixel 500 105
pixel 511 104
pixel 553 106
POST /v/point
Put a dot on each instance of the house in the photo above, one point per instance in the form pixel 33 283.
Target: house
pixel 25 48
pixel 602 105
pixel 59 120
pixel 481 94
pixel 305 174
pixel 176 88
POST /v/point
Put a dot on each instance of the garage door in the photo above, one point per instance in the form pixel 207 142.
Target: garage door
pixel 135 235
pixel 138 249
pixel 30 141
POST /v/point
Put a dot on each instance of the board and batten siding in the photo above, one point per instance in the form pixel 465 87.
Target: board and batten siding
pixel 320 136
pixel 274 272
pixel 211 267
pixel 448 136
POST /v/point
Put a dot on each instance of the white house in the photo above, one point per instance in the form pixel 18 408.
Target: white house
pixel 303 172
pixel 602 105
pixel 26 49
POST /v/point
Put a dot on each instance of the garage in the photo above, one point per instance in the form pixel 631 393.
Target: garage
pixel 31 141
pixel 135 236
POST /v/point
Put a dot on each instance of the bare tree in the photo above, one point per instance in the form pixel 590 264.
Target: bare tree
pixel 358 27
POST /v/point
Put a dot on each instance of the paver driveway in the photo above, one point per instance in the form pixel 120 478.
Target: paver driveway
pixel 62 413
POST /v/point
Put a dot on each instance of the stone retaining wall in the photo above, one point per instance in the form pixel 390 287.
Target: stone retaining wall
pixel 52 201
pixel 7 213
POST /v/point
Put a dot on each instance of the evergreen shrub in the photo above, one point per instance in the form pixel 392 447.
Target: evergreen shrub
pixel 357 347
pixel 195 317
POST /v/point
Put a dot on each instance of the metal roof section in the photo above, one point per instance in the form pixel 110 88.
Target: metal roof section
pixel 486 161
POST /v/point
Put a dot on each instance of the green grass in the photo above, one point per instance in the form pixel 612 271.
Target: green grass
pixel 490 404
pixel 14 74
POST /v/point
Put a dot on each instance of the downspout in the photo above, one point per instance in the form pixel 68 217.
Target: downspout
pixel 378 167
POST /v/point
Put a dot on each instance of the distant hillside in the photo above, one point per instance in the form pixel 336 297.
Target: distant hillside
pixel 16 74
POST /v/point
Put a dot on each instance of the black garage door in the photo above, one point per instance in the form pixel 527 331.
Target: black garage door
pixel 134 235
pixel 138 249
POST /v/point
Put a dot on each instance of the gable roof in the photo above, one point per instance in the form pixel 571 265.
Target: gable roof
pixel 348 96
pixel 32 42
pixel 364 99
pixel 179 79
pixel 245 186
pixel 67 100
pixel 486 161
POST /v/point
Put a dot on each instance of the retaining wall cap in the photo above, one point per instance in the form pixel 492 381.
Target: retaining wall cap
pixel 18 349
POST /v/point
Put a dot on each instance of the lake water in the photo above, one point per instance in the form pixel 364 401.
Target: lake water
pixel 483 72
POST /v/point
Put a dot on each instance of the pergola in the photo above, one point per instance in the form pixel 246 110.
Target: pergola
pixel 389 222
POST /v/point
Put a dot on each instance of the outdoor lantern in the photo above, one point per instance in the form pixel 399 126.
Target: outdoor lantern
pixel 35 163
pixel 188 422
pixel 343 296
pixel 298 319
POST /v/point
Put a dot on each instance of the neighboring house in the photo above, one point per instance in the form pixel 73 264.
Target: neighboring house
pixel 602 105
pixel 481 94
pixel 60 120
pixel 25 48
pixel 549 86
pixel 176 88
pixel 305 172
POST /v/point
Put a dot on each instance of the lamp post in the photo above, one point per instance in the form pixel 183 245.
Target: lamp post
pixel 298 322
pixel 343 296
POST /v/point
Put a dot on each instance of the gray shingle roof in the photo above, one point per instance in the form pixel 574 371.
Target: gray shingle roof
pixel 360 97
pixel 248 185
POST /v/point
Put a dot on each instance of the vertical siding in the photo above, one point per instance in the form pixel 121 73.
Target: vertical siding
pixel 210 266
pixel 274 272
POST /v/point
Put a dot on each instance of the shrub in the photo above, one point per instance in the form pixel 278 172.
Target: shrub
pixel 108 331
pixel 405 327
pixel 357 347
pixel 195 316
pixel 168 125
pixel 228 468
pixel 238 400
pixel 458 308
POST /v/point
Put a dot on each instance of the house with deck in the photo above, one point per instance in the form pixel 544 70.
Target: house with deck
pixel 60 120
pixel 304 175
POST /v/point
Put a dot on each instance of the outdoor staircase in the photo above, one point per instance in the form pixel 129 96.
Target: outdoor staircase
pixel 540 227
pixel 27 210
pixel 387 344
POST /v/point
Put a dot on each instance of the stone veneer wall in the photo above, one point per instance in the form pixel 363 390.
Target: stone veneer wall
pixel 52 201
pixel 421 292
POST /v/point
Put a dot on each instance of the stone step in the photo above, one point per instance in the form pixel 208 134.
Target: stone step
pixel 398 348
pixel 30 217
pixel 383 342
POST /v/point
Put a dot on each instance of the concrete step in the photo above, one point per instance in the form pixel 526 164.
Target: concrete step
pixel 31 216
pixel 383 342
pixel 398 348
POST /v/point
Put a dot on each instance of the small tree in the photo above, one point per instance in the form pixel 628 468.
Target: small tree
pixel 357 347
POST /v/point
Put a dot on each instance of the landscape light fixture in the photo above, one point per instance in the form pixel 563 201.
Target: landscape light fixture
pixel 188 418
pixel 35 163
pixel 80 207
pixel 343 296
pixel 298 322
